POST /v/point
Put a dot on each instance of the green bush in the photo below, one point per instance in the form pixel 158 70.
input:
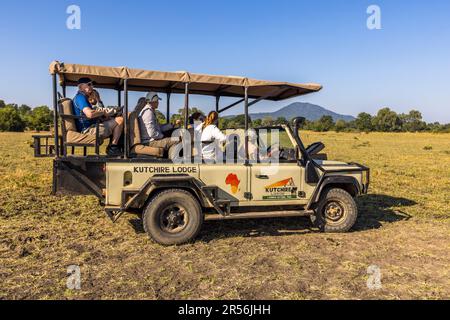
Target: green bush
pixel 10 120
pixel 40 119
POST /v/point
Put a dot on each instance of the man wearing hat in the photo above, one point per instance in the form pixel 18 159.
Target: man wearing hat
pixel 108 127
pixel 152 133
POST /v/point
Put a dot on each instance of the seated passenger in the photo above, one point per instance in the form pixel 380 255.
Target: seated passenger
pixel 211 136
pixel 107 128
pixel 195 122
pixel 95 100
pixel 152 133
pixel 196 119
pixel 253 150
pixel 97 104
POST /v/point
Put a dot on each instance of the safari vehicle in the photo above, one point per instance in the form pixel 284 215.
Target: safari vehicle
pixel 174 199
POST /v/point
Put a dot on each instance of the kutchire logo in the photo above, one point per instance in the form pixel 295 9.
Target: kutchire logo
pixel 234 182
pixel 281 190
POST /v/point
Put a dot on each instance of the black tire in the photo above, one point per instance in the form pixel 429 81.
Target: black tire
pixel 173 217
pixel 336 212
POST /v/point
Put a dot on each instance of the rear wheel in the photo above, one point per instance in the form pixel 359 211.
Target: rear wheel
pixel 173 217
pixel 336 212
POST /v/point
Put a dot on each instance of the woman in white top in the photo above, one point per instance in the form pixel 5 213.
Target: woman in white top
pixel 211 137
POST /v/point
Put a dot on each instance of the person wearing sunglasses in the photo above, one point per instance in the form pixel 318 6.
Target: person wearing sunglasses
pixel 107 128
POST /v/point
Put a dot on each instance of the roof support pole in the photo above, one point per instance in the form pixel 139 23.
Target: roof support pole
pixel 186 105
pixel 55 115
pixel 217 103
pixel 247 124
pixel 64 91
pixel 168 108
pixel 119 97
pixel 126 126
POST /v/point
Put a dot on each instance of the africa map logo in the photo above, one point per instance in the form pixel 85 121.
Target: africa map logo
pixel 234 182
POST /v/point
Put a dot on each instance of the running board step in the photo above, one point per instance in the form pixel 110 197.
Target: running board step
pixel 223 202
pixel 212 191
pixel 259 215
pixel 222 206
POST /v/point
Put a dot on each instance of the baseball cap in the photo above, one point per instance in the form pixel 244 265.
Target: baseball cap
pixel 152 97
pixel 85 81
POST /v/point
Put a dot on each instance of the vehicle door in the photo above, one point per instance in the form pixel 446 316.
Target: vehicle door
pixel 231 175
pixel 282 180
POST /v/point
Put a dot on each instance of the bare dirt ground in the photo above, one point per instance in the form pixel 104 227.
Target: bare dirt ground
pixel 404 229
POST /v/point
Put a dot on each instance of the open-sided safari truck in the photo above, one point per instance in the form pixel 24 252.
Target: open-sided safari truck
pixel 176 197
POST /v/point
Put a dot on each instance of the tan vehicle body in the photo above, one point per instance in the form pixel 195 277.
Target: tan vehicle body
pixel 263 192
pixel 280 184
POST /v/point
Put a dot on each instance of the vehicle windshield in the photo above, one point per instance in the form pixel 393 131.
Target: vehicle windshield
pixel 275 144
pixel 264 145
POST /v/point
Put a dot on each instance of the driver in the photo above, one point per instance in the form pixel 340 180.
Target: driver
pixel 259 153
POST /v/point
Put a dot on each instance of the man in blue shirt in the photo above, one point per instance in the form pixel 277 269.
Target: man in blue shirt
pixel 86 124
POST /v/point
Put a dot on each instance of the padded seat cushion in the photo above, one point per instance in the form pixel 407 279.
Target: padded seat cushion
pixel 135 140
pixel 66 107
pixel 135 133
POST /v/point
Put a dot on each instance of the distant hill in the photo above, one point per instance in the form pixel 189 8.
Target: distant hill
pixel 310 111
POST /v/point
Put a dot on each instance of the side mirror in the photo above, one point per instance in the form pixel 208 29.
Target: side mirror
pixel 315 148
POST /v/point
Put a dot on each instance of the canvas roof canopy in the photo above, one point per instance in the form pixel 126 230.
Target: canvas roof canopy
pixel 174 82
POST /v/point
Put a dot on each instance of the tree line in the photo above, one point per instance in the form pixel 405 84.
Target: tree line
pixel 385 120
pixel 17 118
pixel 20 118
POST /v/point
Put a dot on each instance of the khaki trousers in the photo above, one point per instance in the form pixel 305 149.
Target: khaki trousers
pixel 165 143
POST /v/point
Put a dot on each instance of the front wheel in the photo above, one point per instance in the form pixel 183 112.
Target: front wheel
pixel 173 217
pixel 336 212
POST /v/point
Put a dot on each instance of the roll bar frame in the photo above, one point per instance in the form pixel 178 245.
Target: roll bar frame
pixel 123 88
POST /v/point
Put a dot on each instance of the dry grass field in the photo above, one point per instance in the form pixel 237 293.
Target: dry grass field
pixel 404 228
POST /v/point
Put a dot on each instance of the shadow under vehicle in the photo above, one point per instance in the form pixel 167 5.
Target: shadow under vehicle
pixel 175 197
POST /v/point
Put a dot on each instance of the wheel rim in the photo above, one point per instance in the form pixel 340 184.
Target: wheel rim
pixel 174 219
pixel 334 212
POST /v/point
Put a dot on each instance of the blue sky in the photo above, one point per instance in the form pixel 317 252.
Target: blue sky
pixel 405 65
